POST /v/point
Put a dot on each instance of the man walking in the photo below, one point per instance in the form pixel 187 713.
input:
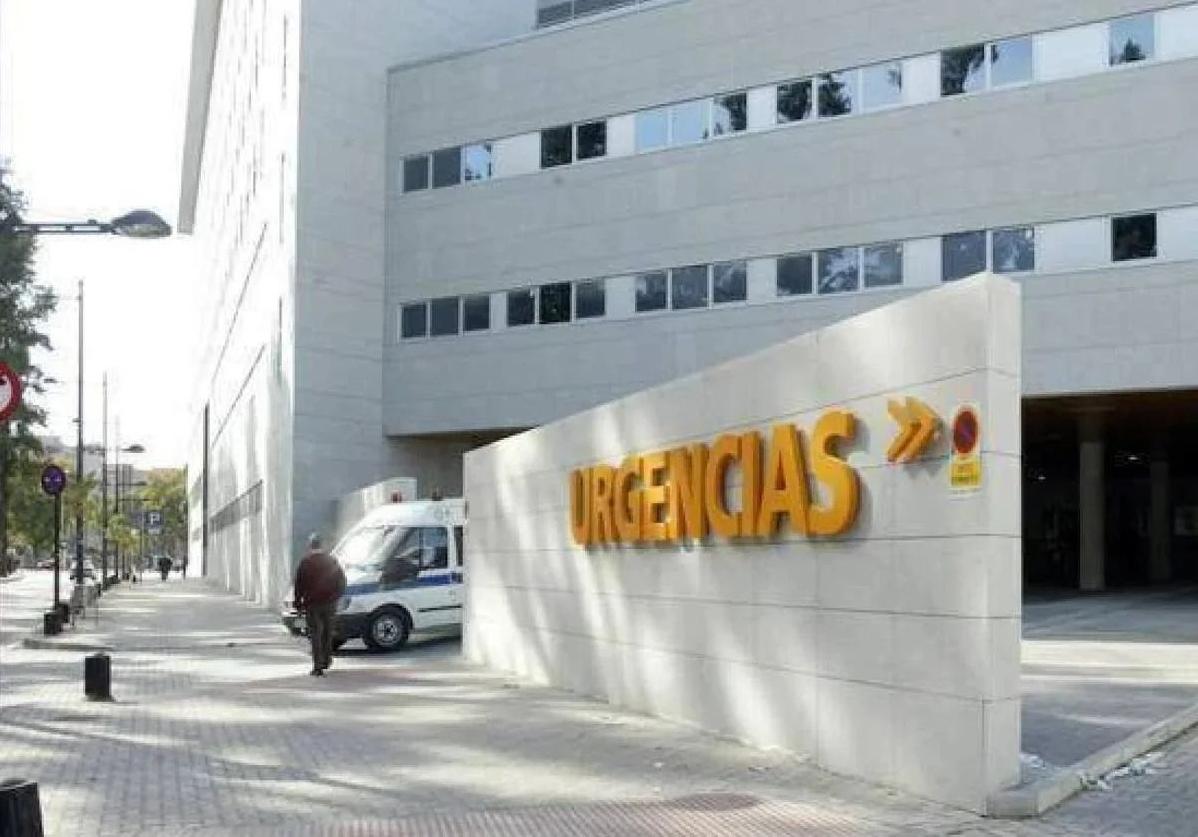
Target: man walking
pixel 319 583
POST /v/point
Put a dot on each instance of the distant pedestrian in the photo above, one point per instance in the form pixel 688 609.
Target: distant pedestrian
pixel 164 566
pixel 319 583
pixel 183 567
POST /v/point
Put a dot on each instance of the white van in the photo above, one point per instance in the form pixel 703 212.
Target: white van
pixel 403 569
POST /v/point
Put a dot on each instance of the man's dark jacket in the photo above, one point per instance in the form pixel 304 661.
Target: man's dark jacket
pixel 318 580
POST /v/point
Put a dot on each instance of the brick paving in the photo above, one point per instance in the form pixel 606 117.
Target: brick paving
pixel 217 729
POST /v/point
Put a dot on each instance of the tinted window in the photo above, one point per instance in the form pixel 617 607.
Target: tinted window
pixel 415 173
pixel 729 282
pixel 402 565
pixel 688 122
pixel 839 270
pixel 836 93
pixel 1011 62
pixel 689 287
pixel 443 317
pixel 557 146
pixel 883 265
pixel 414 320
pixel 591 300
pixel 1133 237
pixel 962 254
pixel 794 101
pixel 477 162
pixel 882 85
pixel 1133 39
pixel 652 129
pixel 730 114
pixel 447 167
pixel 457 542
pixel 476 313
pixel 521 307
pixel 794 275
pixel 651 291
pixel 1014 250
pixel 962 70
pixel 550 12
pixel 555 302
pixel 434 551
pixel 592 140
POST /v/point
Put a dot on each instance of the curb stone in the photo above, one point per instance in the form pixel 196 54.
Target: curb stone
pixel 1038 797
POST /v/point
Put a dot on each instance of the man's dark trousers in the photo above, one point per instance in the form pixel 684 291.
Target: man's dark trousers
pixel 320 632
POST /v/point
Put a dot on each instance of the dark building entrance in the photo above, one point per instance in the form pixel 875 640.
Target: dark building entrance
pixel 1110 490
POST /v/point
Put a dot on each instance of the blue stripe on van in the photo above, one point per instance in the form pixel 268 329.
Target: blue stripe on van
pixel 428 581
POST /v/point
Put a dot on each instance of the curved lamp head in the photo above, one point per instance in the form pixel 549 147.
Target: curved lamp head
pixel 134 449
pixel 140 223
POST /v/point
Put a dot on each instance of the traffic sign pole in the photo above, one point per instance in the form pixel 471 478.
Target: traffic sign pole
pixel 54 482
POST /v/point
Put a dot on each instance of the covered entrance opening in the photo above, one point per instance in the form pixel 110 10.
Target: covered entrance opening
pixel 1110 490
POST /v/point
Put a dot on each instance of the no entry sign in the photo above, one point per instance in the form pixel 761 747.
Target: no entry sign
pixel 54 480
pixel 10 392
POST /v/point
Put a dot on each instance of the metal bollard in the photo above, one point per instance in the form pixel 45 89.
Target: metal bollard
pixel 20 809
pixel 97 677
pixel 51 623
pixel 64 613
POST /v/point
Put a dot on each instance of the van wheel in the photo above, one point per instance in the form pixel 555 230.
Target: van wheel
pixel 387 631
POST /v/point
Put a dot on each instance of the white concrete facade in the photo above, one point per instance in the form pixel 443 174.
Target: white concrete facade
pixel 282 181
pixel 889 653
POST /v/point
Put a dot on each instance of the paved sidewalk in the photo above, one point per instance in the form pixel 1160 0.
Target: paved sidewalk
pixel 216 729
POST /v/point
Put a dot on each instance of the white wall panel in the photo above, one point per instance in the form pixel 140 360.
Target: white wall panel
pixel 1067 53
pixel 921 79
pixel 921 262
pixel 763 108
pixel 621 135
pixel 1177 30
pixel 1072 245
pixel 763 280
pixel 1177 233
pixel 518 155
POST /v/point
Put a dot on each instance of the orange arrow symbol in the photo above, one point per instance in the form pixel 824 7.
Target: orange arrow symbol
pixel 917 427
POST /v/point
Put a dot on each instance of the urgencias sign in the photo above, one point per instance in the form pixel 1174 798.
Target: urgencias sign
pixel 679 494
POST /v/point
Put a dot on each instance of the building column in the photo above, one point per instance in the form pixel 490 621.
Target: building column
pixel 1092 503
pixel 1160 514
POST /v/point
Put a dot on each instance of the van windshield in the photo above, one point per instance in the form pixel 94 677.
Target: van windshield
pixel 364 550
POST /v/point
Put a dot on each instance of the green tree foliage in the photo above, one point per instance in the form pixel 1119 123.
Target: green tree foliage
pixel 30 510
pixel 166 491
pixel 24 308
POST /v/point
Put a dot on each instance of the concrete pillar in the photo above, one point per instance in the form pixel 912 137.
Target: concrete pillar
pixel 1092 503
pixel 1159 517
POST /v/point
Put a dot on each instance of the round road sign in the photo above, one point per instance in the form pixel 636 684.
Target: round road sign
pixel 54 480
pixel 10 392
pixel 966 431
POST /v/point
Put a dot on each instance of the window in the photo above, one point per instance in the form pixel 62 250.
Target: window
pixel 688 285
pixel 413 321
pixel 419 549
pixel 962 70
pixel 477 162
pixel 730 282
pixel 555 302
pixel 434 548
pixel 882 85
pixel 689 122
pixel 883 265
pixel 590 299
pixel 1011 62
pixel 962 254
pixel 521 307
pixel 1133 39
pixel 550 12
pixel 592 140
pixel 652 290
pixel 652 129
pixel 839 270
pixel 476 313
pixel 836 93
pixel 557 146
pixel 794 101
pixel 443 318
pixel 415 173
pixel 729 114
pixel 458 542
pixel 447 167
pixel 794 275
pixel 1013 250
pixel 1133 237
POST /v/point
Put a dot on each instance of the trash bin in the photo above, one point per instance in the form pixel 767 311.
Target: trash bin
pixel 97 677
pixel 20 809
pixel 51 623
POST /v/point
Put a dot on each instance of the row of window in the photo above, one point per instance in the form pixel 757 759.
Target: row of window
pixel 967 69
pixel 249 503
pixel 829 271
pixel 552 12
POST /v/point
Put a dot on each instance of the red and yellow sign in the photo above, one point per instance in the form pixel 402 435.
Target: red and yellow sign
pixel 965 470
pixel 679 494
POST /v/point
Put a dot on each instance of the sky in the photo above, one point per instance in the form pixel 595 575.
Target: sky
pixel 92 103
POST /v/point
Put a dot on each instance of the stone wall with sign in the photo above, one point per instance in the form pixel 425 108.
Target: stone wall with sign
pixel 857 602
